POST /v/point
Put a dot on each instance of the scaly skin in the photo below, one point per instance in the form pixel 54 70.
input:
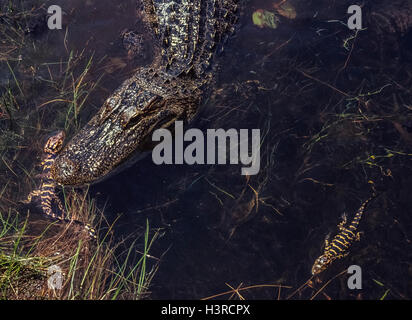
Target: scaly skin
pixel 188 33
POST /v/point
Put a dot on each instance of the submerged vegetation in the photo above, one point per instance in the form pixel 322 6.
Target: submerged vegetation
pixel 334 109
pixel 36 98
pixel 335 122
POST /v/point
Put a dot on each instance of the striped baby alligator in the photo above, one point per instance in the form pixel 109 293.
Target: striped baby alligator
pixel 45 196
pixel 338 247
pixel 187 34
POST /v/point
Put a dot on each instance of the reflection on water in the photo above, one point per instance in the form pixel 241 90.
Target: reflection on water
pixel 333 108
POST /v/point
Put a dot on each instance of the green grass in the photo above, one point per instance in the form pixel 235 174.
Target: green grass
pixel 91 270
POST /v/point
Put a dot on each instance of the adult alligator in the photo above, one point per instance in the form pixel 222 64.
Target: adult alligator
pixel 187 34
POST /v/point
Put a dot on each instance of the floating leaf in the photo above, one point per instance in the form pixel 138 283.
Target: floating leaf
pixel 263 18
pixel 285 9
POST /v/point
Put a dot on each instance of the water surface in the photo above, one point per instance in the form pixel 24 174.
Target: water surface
pixel 297 84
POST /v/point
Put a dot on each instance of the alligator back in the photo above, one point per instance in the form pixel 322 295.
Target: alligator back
pixel 190 31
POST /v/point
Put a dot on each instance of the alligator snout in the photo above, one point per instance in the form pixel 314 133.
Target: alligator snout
pixel 65 171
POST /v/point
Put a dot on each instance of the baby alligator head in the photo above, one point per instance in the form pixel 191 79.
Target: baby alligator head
pixel 321 264
pixel 54 144
pixel 123 127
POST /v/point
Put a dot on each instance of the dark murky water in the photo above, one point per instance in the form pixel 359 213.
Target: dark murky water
pixel 295 83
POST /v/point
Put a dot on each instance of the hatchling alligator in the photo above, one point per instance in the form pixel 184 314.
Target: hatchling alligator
pixel 44 196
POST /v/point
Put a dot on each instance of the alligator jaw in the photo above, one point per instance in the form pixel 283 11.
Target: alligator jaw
pixel 97 151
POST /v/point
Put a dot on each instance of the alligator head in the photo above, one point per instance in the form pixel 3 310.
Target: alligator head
pixel 123 127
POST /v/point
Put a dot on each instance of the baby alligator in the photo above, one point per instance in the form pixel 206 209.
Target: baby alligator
pixel 338 247
pixel 44 196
